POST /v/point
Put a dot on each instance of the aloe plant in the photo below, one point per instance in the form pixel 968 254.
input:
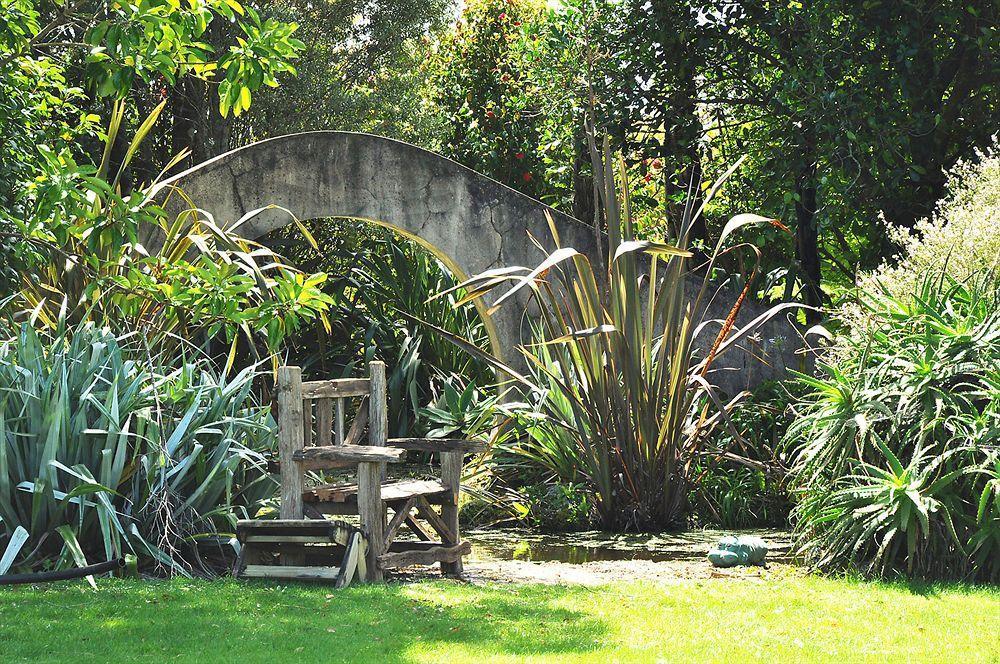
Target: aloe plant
pixel 894 445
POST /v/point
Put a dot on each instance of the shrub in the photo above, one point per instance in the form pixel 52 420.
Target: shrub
pixel 895 445
pixel 740 481
pixel 103 452
pixel 962 237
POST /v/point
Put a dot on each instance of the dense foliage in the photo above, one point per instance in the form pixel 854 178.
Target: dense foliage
pixel 106 451
pixel 895 445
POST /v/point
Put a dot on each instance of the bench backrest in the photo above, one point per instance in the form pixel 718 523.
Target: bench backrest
pixel 324 407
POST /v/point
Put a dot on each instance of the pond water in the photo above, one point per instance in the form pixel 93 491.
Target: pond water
pixel 597 546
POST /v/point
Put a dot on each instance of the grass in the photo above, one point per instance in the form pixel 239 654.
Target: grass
pixel 791 618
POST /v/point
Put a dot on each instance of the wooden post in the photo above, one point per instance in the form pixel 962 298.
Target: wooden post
pixel 451 477
pixel 291 438
pixel 378 416
pixel 372 513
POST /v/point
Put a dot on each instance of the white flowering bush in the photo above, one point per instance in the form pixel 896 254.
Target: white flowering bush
pixel 961 238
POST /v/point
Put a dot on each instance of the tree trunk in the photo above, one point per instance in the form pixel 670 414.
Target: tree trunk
pixel 807 239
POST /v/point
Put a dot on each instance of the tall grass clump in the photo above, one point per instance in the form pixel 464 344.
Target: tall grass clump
pixel 105 452
pixel 896 443
pixel 621 374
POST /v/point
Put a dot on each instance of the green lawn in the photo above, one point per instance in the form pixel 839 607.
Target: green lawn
pixel 785 619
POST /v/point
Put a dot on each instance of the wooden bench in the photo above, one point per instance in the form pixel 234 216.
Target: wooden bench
pixel 312 436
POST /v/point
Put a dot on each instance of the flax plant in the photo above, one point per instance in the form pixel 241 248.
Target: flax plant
pixel 621 373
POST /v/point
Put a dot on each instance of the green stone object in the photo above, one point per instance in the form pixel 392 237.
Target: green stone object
pixel 743 550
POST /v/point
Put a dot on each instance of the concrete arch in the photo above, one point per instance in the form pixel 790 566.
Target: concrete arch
pixel 469 221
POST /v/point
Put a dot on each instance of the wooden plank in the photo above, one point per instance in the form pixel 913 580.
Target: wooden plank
pixel 392 492
pixel 324 421
pixel 339 439
pixel 378 416
pixel 290 440
pixel 335 389
pixel 436 521
pixel 290 572
pixel 349 453
pixel 291 523
pixel 362 560
pixel 402 511
pixel 350 564
pixel 372 513
pixel 437 444
pixel 451 477
pixel 357 431
pixel 291 539
pixel 442 554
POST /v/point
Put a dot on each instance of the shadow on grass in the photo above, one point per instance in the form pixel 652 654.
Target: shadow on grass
pixel 257 622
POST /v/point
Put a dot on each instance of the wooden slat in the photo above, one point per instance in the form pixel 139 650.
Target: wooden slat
pixel 395 491
pixel 350 453
pixel 339 439
pixel 340 387
pixel 324 421
pixel 291 523
pixel 290 572
pixel 307 423
pixel 437 444
pixel 357 430
pixel 350 564
pixel 443 554
pixel 291 539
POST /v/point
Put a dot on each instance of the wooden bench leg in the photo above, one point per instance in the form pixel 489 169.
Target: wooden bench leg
pixel 451 477
pixel 291 439
pixel 372 513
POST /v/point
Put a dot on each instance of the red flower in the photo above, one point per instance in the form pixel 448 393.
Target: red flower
pixel 647 177
pixel 526 177
pixel 657 164
pixel 519 155
pixel 490 114
pixel 503 16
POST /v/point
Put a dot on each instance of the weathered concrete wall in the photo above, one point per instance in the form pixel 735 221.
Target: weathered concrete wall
pixel 472 223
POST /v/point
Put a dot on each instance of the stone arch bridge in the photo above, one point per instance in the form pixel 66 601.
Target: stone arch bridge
pixel 469 221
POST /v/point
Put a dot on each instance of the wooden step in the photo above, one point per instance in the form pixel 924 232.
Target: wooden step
pixel 392 492
pixel 290 572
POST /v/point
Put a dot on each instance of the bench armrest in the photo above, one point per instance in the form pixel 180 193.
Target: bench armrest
pixel 348 454
pixel 436 444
